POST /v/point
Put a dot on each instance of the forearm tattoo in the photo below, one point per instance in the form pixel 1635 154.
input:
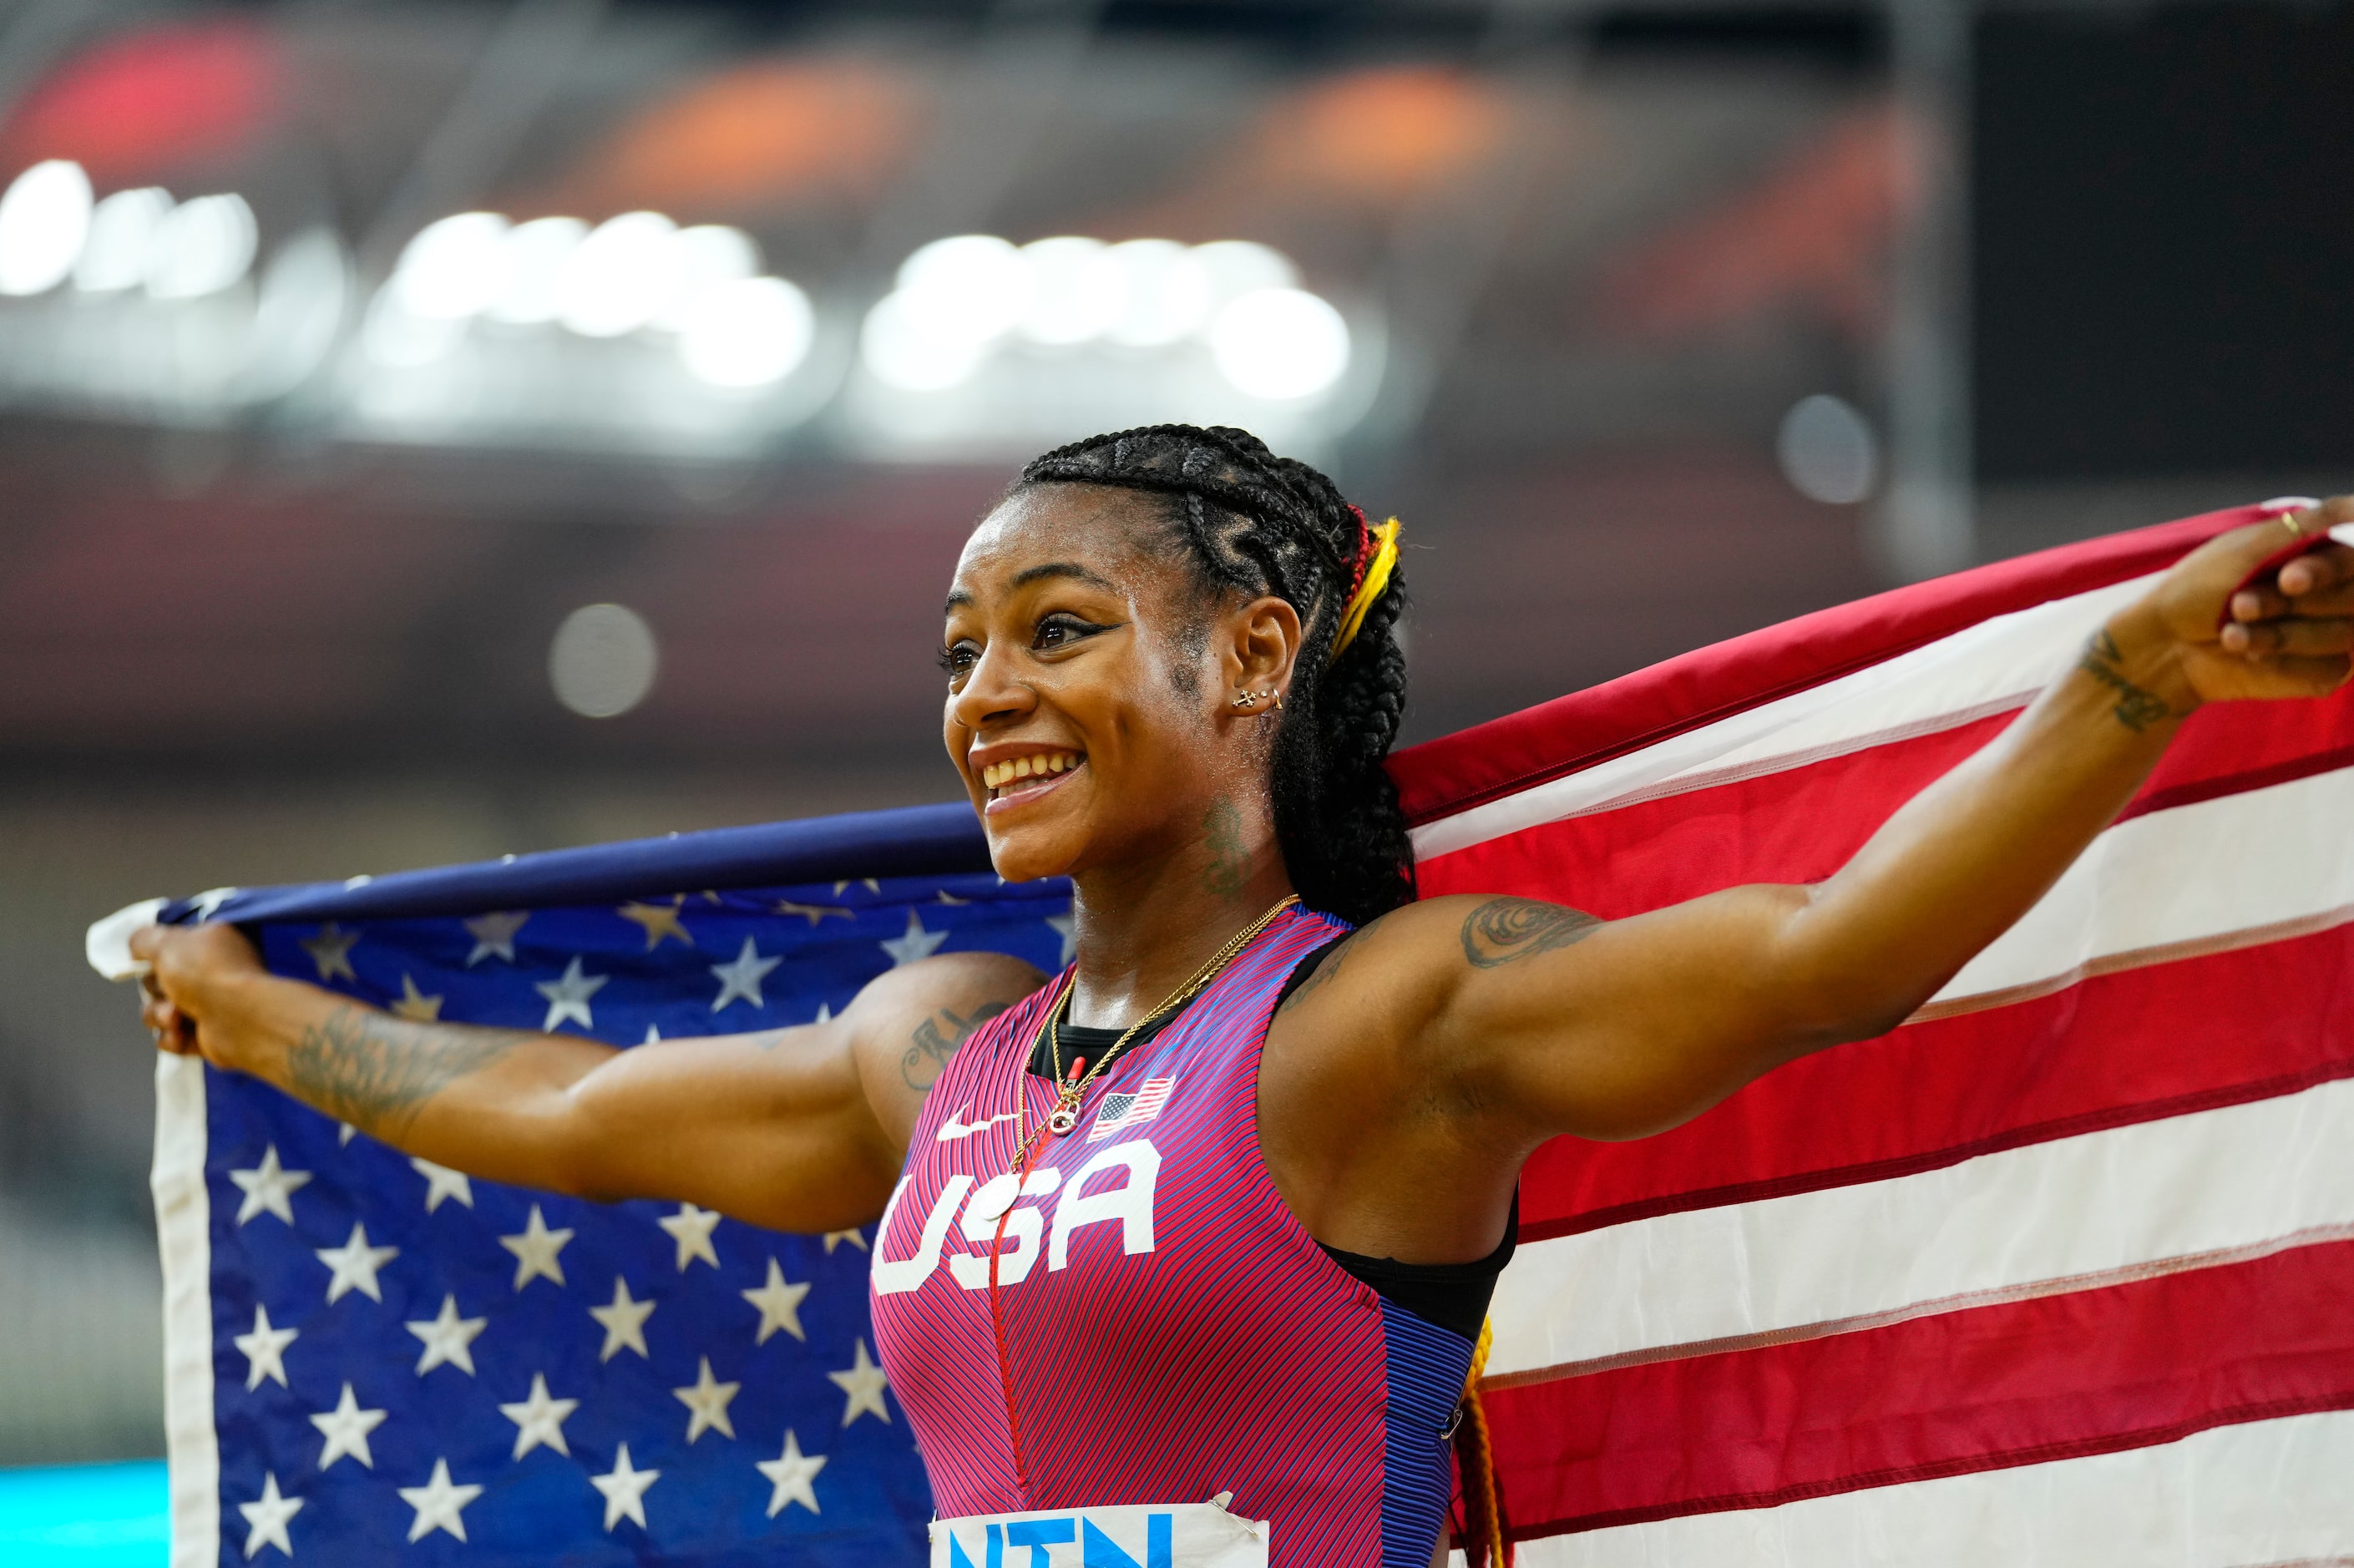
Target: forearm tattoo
pixel 2136 708
pixel 1506 930
pixel 376 1072
pixel 936 1040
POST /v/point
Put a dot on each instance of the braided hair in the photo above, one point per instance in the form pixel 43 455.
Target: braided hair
pixel 1251 522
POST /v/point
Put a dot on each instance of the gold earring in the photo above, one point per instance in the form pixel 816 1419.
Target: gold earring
pixel 1251 699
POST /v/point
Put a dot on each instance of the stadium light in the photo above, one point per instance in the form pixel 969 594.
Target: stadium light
pixel 200 247
pixel 621 275
pixel 1827 450
pixel 1164 292
pixel 1076 291
pixel 122 235
pixel 1280 344
pixel 603 660
pixel 44 218
pixel 453 268
pixel 973 287
pixel 748 333
pixel 715 255
pixel 536 254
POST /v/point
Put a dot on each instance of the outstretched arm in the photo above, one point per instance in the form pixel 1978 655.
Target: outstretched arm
pixel 800 1128
pixel 1551 1021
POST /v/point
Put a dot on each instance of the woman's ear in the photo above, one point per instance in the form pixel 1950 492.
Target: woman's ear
pixel 1263 646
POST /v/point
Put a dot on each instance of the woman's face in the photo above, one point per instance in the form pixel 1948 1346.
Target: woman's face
pixel 1090 684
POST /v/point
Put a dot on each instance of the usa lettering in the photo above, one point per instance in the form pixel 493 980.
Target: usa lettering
pixel 1115 1188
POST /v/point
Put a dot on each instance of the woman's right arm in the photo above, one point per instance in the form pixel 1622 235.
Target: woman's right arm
pixel 801 1129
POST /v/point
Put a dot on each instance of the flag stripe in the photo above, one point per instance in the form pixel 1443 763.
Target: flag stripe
pixel 1802 823
pixel 2149 1043
pixel 1998 665
pixel 2017 1384
pixel 2214 1501
pixel 2137 1196
pixel 1645 709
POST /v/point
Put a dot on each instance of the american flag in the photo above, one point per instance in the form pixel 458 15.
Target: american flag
pixel 374 1359
pixel 2062 1271
pixel 1119 1112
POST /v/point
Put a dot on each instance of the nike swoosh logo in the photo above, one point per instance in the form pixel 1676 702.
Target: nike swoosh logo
pixel 954 1127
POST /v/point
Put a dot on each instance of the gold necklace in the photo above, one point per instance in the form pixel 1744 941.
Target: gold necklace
pixel 1066 1115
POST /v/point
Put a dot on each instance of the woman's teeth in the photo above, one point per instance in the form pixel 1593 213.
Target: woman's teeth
pixel 998 775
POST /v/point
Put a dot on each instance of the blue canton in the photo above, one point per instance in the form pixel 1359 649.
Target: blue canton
pixel 413 1367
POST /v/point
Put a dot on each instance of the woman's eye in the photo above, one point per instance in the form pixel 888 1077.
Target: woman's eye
pixel 959 660
pixel 1056 630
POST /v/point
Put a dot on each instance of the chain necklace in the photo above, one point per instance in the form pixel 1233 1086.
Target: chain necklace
pixel 1066 1115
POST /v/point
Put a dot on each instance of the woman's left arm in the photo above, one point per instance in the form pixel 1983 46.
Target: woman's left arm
pixel 1562 1024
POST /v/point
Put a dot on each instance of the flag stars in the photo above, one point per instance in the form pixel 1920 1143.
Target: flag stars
pixel 567 997
pixel 914 943
pixel 535 1249
pixel 264 1349
pixel 539 1419
pixel 352 1265
pixel 449 1340
pixel 442 1183
pixel 625 1491
pixel 691 1228
pixel 438 1503
pixel 1067 926
pixel 791 1471
pixel 269 1188
pixel 740 981
pixel 494 935
pixel 331 951
pixel 346 1429
pixel 414 1004
pixel 853 1238
pixel 624 1323
pixel 660 922
pixel 813 913
pixel 706 1403
pixel 780 1304
pixel 267 1519
pixel 865 1383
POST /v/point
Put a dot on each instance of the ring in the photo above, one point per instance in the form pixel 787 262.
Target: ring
pixel 2289 521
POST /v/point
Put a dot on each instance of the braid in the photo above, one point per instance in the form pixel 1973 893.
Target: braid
pixel 1253 523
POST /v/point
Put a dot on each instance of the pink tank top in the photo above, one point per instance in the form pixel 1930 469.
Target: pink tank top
pixel 1168 1329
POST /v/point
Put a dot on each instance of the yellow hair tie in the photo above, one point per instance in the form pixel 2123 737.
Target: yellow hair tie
pixel 1377 577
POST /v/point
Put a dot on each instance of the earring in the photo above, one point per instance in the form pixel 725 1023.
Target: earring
pixel 1252 699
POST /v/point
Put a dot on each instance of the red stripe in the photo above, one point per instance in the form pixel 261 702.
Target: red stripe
pixel 2094 1371
pixel 1802 823
pixel 1510 754
pixel 2164 1040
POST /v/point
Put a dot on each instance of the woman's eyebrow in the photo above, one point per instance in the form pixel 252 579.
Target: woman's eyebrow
pixel 1071 569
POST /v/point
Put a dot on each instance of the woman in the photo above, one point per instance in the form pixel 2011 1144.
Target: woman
pixel 1217 1212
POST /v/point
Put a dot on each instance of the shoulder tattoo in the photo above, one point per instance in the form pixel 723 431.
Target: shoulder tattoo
pixel 936 1040
pixel 1506 930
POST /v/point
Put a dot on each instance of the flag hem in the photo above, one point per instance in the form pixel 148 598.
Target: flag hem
pixel 183 1222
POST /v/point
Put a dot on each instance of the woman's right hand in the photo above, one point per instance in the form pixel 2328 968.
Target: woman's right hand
pixel 189 970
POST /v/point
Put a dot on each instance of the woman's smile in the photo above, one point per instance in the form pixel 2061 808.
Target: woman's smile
pixel 1021 780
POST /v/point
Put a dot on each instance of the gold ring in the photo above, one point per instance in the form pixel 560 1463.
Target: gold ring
pixel 2289 521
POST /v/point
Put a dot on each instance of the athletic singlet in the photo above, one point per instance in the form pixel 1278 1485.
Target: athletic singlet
pixel 1171 1332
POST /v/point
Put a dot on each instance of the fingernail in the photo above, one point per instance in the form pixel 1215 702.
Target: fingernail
pixel 2245 606
pixel 2236 638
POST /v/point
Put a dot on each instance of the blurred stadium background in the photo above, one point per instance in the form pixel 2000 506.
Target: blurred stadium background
pixel 436 430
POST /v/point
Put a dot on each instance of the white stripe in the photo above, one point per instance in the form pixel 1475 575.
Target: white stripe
pixel 181 1221
pixel 2195 873
pixel 2258 1492
pixel 1998 662
pixel 2124 1197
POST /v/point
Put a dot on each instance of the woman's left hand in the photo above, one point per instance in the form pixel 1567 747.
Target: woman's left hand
pixel 2286 634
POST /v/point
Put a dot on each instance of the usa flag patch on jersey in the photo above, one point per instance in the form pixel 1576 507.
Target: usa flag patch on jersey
pixel 1119 1112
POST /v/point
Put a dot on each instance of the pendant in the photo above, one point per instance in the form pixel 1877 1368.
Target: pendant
pixel 1063 1121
